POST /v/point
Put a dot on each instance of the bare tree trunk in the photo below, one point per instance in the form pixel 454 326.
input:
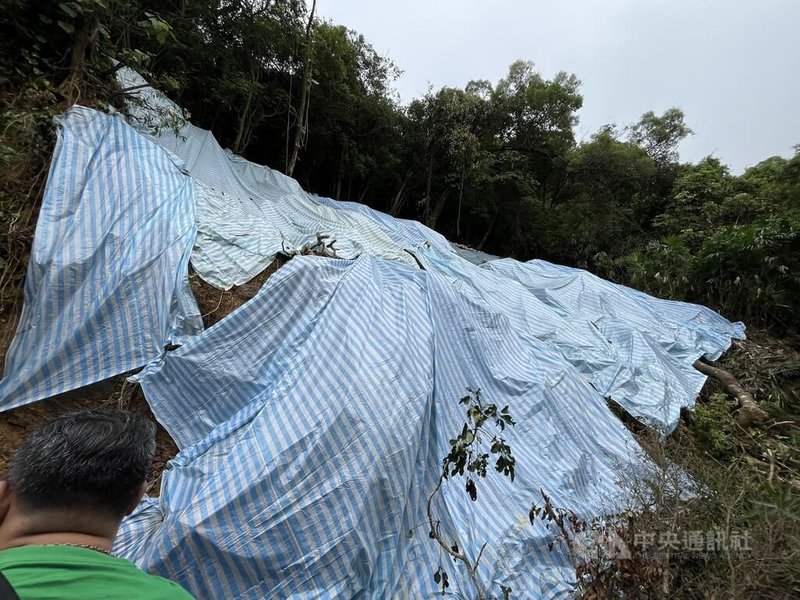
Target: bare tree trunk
pixel 239 144
pixel 288 122
pixel 85 38
pixel 434 214
pixel 305 90
pixel 363 193
pixel 488 231
pixel 397 201
pixel 427 202
pixel 750 411
pixel 460 197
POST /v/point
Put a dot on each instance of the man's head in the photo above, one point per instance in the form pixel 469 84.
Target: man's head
pixel 92 462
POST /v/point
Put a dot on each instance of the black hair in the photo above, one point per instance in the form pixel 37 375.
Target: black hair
pixel 88 460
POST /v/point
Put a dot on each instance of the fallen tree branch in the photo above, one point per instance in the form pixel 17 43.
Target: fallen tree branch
pixel 750 411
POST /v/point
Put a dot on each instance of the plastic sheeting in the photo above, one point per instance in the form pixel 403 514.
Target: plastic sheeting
pixel 645 365
pixel 657 340
pixel 645 380
pixel 687 331
pixel 313 422
pixel 107 283
pixel 248 213
pixel 476 257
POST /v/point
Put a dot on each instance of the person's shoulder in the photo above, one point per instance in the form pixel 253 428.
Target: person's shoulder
pixel 166 589
pixel 82 573
pixel 155 586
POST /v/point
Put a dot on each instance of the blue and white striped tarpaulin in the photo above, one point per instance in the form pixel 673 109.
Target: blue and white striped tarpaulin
pixel 687 331
pixel 650 375
pixel 657 340
pixel 107 283
pixel 313 422
pixel 640 375
pixel 246 213
pixel 476 257
pixel 646 374
pixel 644 363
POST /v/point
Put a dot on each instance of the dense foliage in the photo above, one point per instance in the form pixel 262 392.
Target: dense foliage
pixel 494 165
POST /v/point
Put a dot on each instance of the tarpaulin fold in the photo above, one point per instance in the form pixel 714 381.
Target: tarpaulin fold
pixel 313 422
pixel 107 283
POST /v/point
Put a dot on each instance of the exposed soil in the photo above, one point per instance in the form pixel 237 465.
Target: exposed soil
pixel 15 424
pixel 215 304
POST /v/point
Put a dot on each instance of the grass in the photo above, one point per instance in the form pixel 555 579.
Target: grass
pixel 721 514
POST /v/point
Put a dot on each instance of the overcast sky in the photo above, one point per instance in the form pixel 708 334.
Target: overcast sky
pixel 733 66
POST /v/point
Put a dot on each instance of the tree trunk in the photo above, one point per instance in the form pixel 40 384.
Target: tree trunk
pixel 434 214
pixel 240 143
pixel 460 197
pixel 363 193
pixel 339 176
pixel 488 231
pixel 288 124
pixel 559 187
pixel 397 201
pixel 750 411
pixel 86 33
pixel 543 196
pixel 427 202
pixel 305 90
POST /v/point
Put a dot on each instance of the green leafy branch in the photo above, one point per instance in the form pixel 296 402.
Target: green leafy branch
pixel 468 458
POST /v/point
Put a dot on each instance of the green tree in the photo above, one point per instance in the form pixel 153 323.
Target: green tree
pixel 659 136
pixel 695 204
pixel 531 121
pixel 352 116
pixel 446 124
pixel 232 64
pixel 609 199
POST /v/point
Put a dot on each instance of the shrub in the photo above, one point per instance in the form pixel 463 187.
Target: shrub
pixel 752 272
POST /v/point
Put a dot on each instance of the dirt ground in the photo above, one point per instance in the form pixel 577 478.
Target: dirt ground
pixel 215 304
pixel 15 424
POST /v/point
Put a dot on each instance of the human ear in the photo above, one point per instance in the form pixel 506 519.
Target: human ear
pixel 139 495
pixel 5 500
